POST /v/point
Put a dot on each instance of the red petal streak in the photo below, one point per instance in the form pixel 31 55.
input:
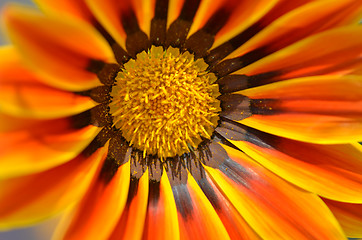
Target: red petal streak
pixel 161 220
pixel 47 47
pixel 315 109
pixel 197 217
pixel 274 208
pixel 295 26
pixel 29 199
pixel 24 94
pixel 235 225
pixel 41 145
pixel 340 54
pixel 332 171
pixel 101 208
pixel 348 215
pixel 131 223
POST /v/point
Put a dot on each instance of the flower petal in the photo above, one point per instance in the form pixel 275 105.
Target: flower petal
pixel 324 109
pixel 196 216
pixel 41 145
pixel 131 223
pixel 161 211
pixel 74 8
pixel 331 171
pixel 340 53
pixel 295 26
pixel 239 19
pixel 32 198
pixel 103 203
pixel 349 216
pixel 118 17
pixel 274 208
pixel 44 41
pixel 23 94
pixel 235 225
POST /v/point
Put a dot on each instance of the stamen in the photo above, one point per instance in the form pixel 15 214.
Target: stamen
pixel 165 102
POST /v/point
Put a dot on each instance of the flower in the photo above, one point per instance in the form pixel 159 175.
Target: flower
pixel 183 119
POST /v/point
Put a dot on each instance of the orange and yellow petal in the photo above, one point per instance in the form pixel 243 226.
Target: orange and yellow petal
pixel 25 95
pixel 29 199
pixel 349 215
pixel 100 209
pixel 122 19
pixel 40 145
pixel 323 109
pixel 340 55
pixel 294 26
pixel 161 211
pixel 274 208
pixel 73 8
pixel 132 221
pixel 331 171
pixel 65 49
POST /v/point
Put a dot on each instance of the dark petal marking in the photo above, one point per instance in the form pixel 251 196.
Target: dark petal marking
pixel 159 23
pixel 177 33
pixel 95 65
pixel 195 168
pixel 231 131
pixel 109 169
pixel 154 193
pixel 235 106
pixel 199 42
pixel 155 170
pixel 209 192
pixel 133 189
pixel 263 106
pixel 216 155
pixel 183 200
pixel 100 116
pixel 119 150
pixel 81 120
pixel 137 169
pixel 108 73
pixel 100 94
pixel 176 172
pixel 178 30
pixel 235 172
pixel 228 66
pixel 136 41
pixel 100 140
pixel 233 83
pixel 202 40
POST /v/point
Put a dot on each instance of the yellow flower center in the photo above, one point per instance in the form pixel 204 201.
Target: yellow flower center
pixel 164 102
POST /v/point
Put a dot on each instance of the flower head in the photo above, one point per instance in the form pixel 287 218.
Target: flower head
pixel 173 119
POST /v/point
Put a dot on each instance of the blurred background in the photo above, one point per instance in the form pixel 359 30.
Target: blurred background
pixel 42 231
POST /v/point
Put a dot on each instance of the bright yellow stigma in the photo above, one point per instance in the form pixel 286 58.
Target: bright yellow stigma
pixel 164 102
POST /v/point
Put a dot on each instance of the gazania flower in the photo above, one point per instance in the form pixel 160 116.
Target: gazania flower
pixel 183 119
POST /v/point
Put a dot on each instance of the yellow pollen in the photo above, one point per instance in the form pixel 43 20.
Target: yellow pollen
pixel 164 102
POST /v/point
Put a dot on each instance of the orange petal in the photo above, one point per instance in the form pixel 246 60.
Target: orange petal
pixel 161 211
pixel 239 18
pixel 32 198
pixel 110 13
pixel 131 223
pixel 274 208
pixel 23 94
pixel 295 26
pixel 196 216
pixel 316 109
pixel 349 216
pixel 340 53
pixel 101 208
pixel 40 145
pixel 331 171
pixel 74 8
pixel 46 46
pixel 235 225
